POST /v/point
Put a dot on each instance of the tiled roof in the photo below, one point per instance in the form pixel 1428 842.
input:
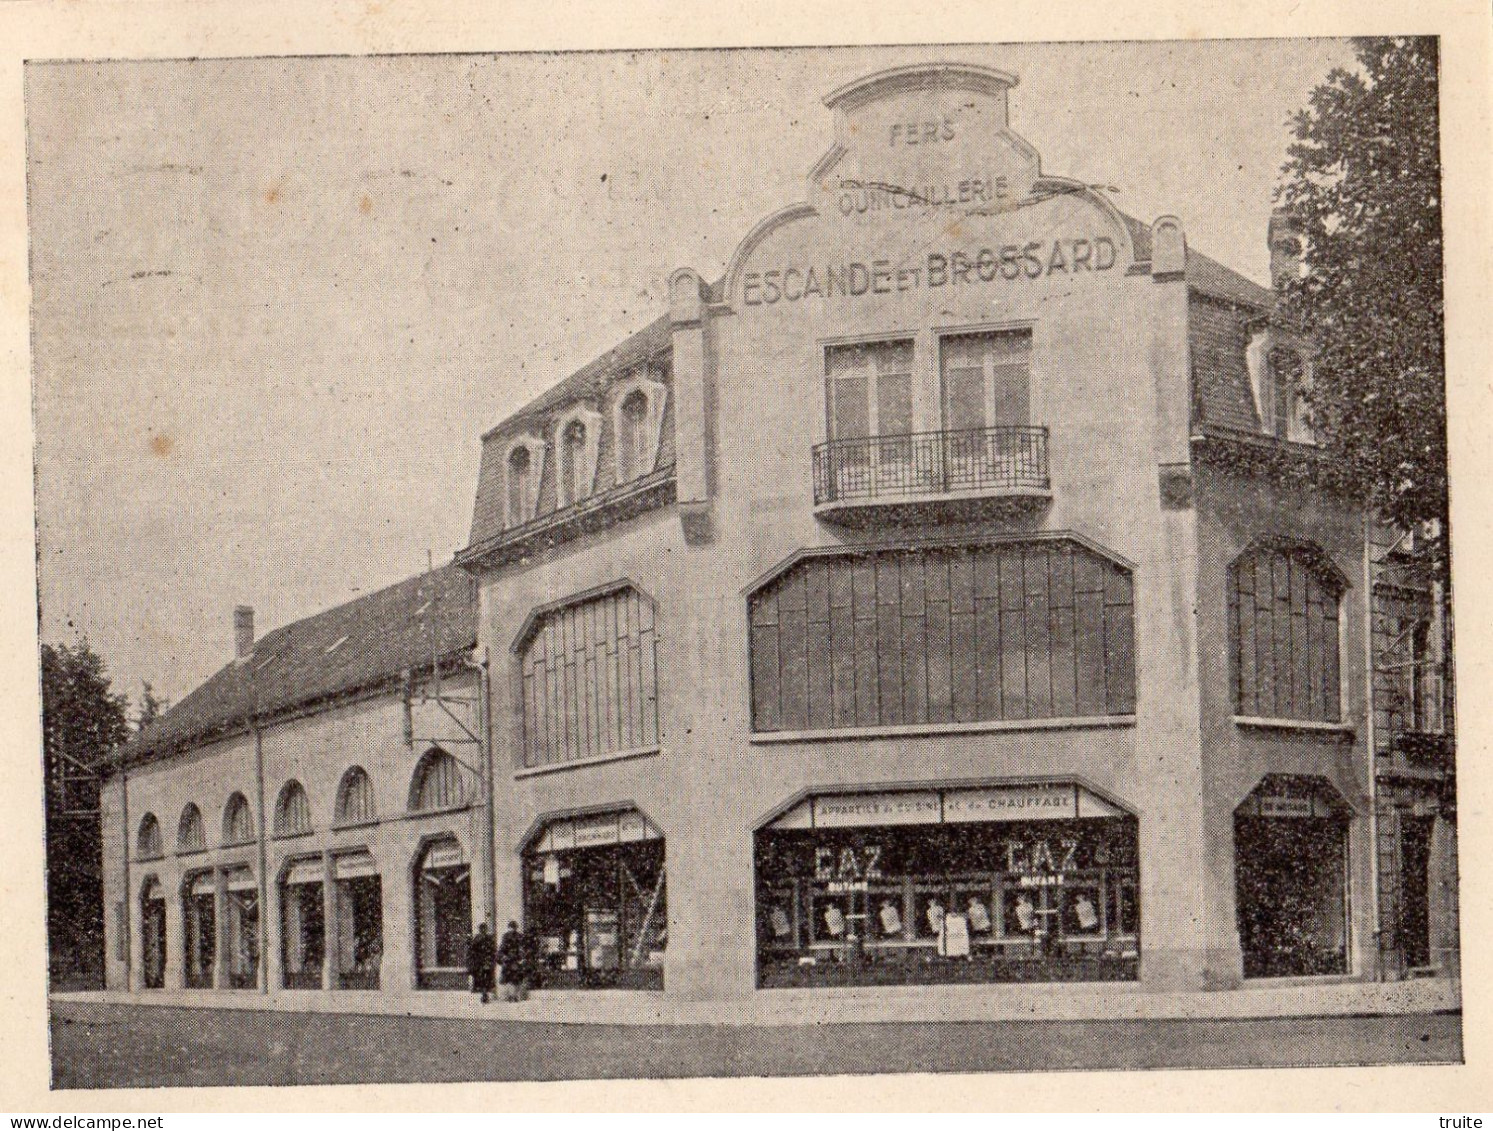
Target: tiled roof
pixel 357 645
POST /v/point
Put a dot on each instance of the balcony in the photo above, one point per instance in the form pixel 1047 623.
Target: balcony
pixel 936 476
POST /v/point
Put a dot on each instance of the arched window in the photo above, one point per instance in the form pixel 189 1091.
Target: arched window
pixel 576 436
pixel 238 827
pixel 148 840
pixel 190 836
pixel 572 463
pixel 520 473
pixel 632 438
pixel 292 810
pixel 943 636
pixel 355 797
pixel 637 418
pixel 590 677
pixel 1283 634
pixel 437 783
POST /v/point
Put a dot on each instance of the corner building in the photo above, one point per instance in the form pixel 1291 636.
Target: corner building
pixel 945 594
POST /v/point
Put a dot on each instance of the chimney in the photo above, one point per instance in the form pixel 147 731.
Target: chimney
pixel 243 631
pixel 1285 248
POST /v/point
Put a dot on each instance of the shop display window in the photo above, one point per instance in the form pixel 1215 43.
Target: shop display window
pixel 243 933
pixel 360 932
pixel 153 936
pixel 978 902
pixel 199 915
pixel 303 935
pixel 600 914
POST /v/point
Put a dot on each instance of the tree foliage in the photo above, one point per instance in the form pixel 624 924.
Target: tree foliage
pixel 151 707
pixel 82 721
pixel 82 717
pixel 1363 184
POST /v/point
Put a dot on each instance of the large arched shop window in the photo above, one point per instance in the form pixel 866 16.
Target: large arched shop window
pixel 1283 633
pixel 590 677
pixel 292 810
pixel 355 797
pixel 238 823
pixel 437 783
pixel 148 840
pixel 190 836
pixel 946 635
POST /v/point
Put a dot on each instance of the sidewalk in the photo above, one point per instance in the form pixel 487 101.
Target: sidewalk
pixel 1068 1001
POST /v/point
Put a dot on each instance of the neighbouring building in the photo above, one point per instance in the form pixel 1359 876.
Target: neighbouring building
pixel 313 815
pixel 949 593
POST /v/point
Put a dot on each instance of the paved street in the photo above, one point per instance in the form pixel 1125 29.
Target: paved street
pixel 100 1046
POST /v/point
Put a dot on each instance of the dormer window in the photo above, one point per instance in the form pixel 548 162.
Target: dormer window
pixel 1279 377
pixel 638 412
pixel 577 435
pixel 522 468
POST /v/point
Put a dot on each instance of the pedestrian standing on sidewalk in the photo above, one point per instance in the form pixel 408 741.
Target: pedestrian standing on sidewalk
pixel 480 959
pixel 512 963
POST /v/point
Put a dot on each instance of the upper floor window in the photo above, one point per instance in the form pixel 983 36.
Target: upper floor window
pixel 1280 379
pixel 1283 634
pixel 578 438
pixel 522 469
pixel 986 379
pixel 942 636
pixel 590 678
pixel 190 836
pixel 637 418
pixel 437 783
pixel 292 810
pixel 148 840
pixel 238 827
pixel 355 797
pixel 868 389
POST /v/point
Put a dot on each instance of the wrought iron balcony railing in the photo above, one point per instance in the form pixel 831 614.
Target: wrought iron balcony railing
pixel 920 464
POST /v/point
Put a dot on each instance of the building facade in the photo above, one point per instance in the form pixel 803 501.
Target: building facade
pixel 948 593
pixel 314 816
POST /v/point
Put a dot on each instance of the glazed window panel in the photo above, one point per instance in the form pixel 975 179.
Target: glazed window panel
pixel 190 835
pixel 929 637
pixel 238 824
pixel 148 842
pixel 1283 628
pixel 590 680
pixel 437 784
pixel 292 810
pixel 355 798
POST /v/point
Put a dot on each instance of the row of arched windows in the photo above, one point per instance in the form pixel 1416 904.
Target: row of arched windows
pixel 437 784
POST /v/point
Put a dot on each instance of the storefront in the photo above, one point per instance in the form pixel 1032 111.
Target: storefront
pixel 200 930
pixel 594 893
pixel 1291 872
pixel 153 934
pixel 303 924
pixel 443 915
pixel 1027 882
pixel 242 938
pixel 360 922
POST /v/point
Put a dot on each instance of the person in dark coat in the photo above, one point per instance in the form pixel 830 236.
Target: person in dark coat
pixel 513 962
pixel 480 959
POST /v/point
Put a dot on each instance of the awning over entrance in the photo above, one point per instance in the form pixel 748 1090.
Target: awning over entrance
pixel 1033 801
pixel 1294 796
pixel 589 831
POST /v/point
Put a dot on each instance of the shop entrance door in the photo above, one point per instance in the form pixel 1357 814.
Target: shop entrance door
pixel 443 923
pixel 200 939
pixel 1292 895
pixel 153 938
pixel 303 932
pixel 1415 890
pixel 243 932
